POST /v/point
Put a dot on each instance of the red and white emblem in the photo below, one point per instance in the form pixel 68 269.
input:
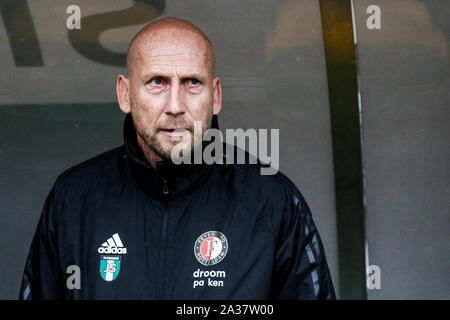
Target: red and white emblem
pixel 211 247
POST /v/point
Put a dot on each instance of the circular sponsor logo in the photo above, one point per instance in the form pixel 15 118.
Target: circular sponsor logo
pixel 211 247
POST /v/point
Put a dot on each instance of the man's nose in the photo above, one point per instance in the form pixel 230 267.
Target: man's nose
pixel 175 105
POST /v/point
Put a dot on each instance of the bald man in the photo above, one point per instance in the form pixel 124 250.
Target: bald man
pixel 170 84
pixel 132 224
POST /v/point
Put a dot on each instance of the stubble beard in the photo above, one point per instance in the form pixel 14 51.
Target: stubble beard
pixel 150 138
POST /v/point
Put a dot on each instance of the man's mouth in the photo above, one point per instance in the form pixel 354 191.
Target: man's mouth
pixel 174 132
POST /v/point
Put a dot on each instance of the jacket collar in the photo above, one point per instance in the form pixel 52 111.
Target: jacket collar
pixel 168 180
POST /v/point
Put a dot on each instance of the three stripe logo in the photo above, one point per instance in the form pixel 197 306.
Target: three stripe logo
pixel 113 245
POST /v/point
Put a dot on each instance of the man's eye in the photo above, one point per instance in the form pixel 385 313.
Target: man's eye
pixel 157 81
pixel 193 82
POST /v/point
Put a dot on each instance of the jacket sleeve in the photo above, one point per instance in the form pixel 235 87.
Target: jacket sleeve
pixel 42 276
pixel 301 270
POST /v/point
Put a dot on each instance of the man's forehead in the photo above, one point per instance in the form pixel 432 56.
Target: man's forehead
pixel 171 46
pixel 172 50
pixel 169 35
pixel 166 58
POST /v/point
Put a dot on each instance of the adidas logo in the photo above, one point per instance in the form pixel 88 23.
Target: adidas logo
pixel 113 245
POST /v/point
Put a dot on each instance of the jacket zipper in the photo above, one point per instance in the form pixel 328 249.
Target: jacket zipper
pixel 160 278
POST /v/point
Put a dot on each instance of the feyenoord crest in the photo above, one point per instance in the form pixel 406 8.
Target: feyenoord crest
pixel 210 248
pixel 109 267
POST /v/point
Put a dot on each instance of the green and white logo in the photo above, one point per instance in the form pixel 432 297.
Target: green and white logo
pixel 109 267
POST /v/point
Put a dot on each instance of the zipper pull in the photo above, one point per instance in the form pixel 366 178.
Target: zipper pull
pixel 165 188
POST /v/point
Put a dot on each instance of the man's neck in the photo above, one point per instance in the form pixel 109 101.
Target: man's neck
pixel 149 154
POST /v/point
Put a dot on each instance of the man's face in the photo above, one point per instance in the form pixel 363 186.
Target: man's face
pixel 170 87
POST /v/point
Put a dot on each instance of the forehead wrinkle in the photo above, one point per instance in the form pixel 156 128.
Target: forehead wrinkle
pixel 174 56
pixel 160 62
pixel 171 71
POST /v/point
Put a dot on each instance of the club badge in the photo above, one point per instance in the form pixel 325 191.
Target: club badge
pixel 109 267
pixel 110 263
pixel 211 248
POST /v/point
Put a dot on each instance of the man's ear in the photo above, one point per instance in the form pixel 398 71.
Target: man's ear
pixel 217 104
pixel 123 93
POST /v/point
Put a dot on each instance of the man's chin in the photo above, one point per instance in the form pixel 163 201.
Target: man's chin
pixel 169 149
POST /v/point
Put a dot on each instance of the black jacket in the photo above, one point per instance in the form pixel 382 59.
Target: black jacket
pixel 216 231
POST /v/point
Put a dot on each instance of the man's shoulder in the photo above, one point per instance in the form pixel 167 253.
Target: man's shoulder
pixel 252 176
pixel 275 197
pixel 93 171
pixel 250 181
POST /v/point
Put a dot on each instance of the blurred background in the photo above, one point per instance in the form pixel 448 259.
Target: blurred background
pixel 361 98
